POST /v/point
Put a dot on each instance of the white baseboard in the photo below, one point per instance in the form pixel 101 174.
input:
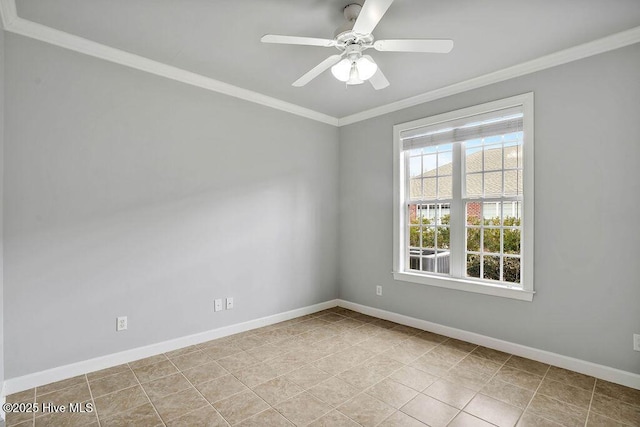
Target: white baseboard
pixel 14 385
pixel 607 373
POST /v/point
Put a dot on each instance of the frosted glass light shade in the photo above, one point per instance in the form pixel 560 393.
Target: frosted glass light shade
pixel 366 67
pixel 342 70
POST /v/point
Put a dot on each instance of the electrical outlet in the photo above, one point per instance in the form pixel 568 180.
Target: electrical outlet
pixel 379 290
pixel 229 303
pixel 217 304
pixel 121 323
pixel 636 342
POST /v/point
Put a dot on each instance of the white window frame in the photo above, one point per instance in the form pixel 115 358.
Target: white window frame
pixel 400 272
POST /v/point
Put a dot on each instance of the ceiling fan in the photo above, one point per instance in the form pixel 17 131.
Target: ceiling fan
pixel 352 39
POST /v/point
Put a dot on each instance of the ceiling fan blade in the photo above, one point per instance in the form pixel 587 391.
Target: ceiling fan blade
pixel 379 81
pixel 371 13
pixel 317 70
pixel 306 41
pixel 414 45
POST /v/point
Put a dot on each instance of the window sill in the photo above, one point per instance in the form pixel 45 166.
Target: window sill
pixel 466 285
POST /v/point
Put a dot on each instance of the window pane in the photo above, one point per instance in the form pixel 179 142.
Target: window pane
pixel 429 165
pixel 429 188
pixel 428 214
pixel 473 160
pixel 473 265
pixel 511 159
pixel 493 184
pixel 491 213
pixel 491 240
pixel 474 185
pixel 511 241
pixel 442 262
pixel 413 214
pixel 429 263
pixel 511 269
pixel 414 236
pixel 443 238
pixel 474 213
pixel 491 267
pixel 493 158
pixel 444 187
pixel 415 189
pixel 428 237
pixel 473 239
pixel 512 213
pixel 511 183
pixel 445 163
pixel 520 185
pixel 415 166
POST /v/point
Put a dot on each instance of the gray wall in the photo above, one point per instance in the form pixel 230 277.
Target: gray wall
pixel 130 194
pixel 587 238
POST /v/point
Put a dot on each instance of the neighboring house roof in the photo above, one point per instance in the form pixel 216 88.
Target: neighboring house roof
pixel 474 162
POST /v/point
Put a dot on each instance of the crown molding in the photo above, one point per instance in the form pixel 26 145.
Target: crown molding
pixel 605 44
pixel 13 23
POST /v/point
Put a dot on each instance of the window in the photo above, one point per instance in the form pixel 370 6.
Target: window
pixel 463 194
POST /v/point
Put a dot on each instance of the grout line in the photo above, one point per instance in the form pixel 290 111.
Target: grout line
pixel 593 392
pixel 534 395
pixel 86 378
pixel 147 396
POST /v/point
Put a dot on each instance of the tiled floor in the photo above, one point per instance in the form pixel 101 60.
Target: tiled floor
pixel 335 368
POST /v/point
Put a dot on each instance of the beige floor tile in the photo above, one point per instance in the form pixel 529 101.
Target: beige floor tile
pixel 190 360
pixel 465 420
pixel 619 392
pixel 120 401
pixel 519 378
pixel 361 376
pixel 249 342
pixel 142 416
pixel 334 419
pixel 307 376
pixel 237 361
pixel 240 406
pixel 400 419
pixel 366 410
pixel 182 351
pixel 479 364
pixel 597 420
pixel 22 396
pixel 530 420
pixel 277 390
pixel 303 408
pixel 565 393
pixel 166 385
pixel 469 378
pixel 219 351
pixel 19 418
pixel 467 347
pixel 15 418
pixel 334 391
pixel 111 383
pixel 528 365
pixel 331 317
pixel 177 404
pixel 490 354
pixel 256 374
pixel 221 388
pixel 493 411
pixel 431 337
pixel 556 411
pixel 616 409
pixel 203 373
pixel 285 363
pixel 452 394
pixel 409 350
pixel 268 418
pixel 203 417
pixel 59 385
pixel 74 394
pixel 392 393
pixel 508 393
pixel 439 360
pixel 266 352
pixel 148 361
pixel 572 378
pixel 414 378
pixel 153 372
pixel 343 360
pixel 430 411
pixel 108 371
pixel 66 419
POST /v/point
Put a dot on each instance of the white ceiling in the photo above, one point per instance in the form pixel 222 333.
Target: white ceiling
pixel 221 39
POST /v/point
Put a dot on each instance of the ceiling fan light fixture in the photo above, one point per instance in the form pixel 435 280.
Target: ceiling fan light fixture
pixel 354 75
pixel 366 67
pixel 342 70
